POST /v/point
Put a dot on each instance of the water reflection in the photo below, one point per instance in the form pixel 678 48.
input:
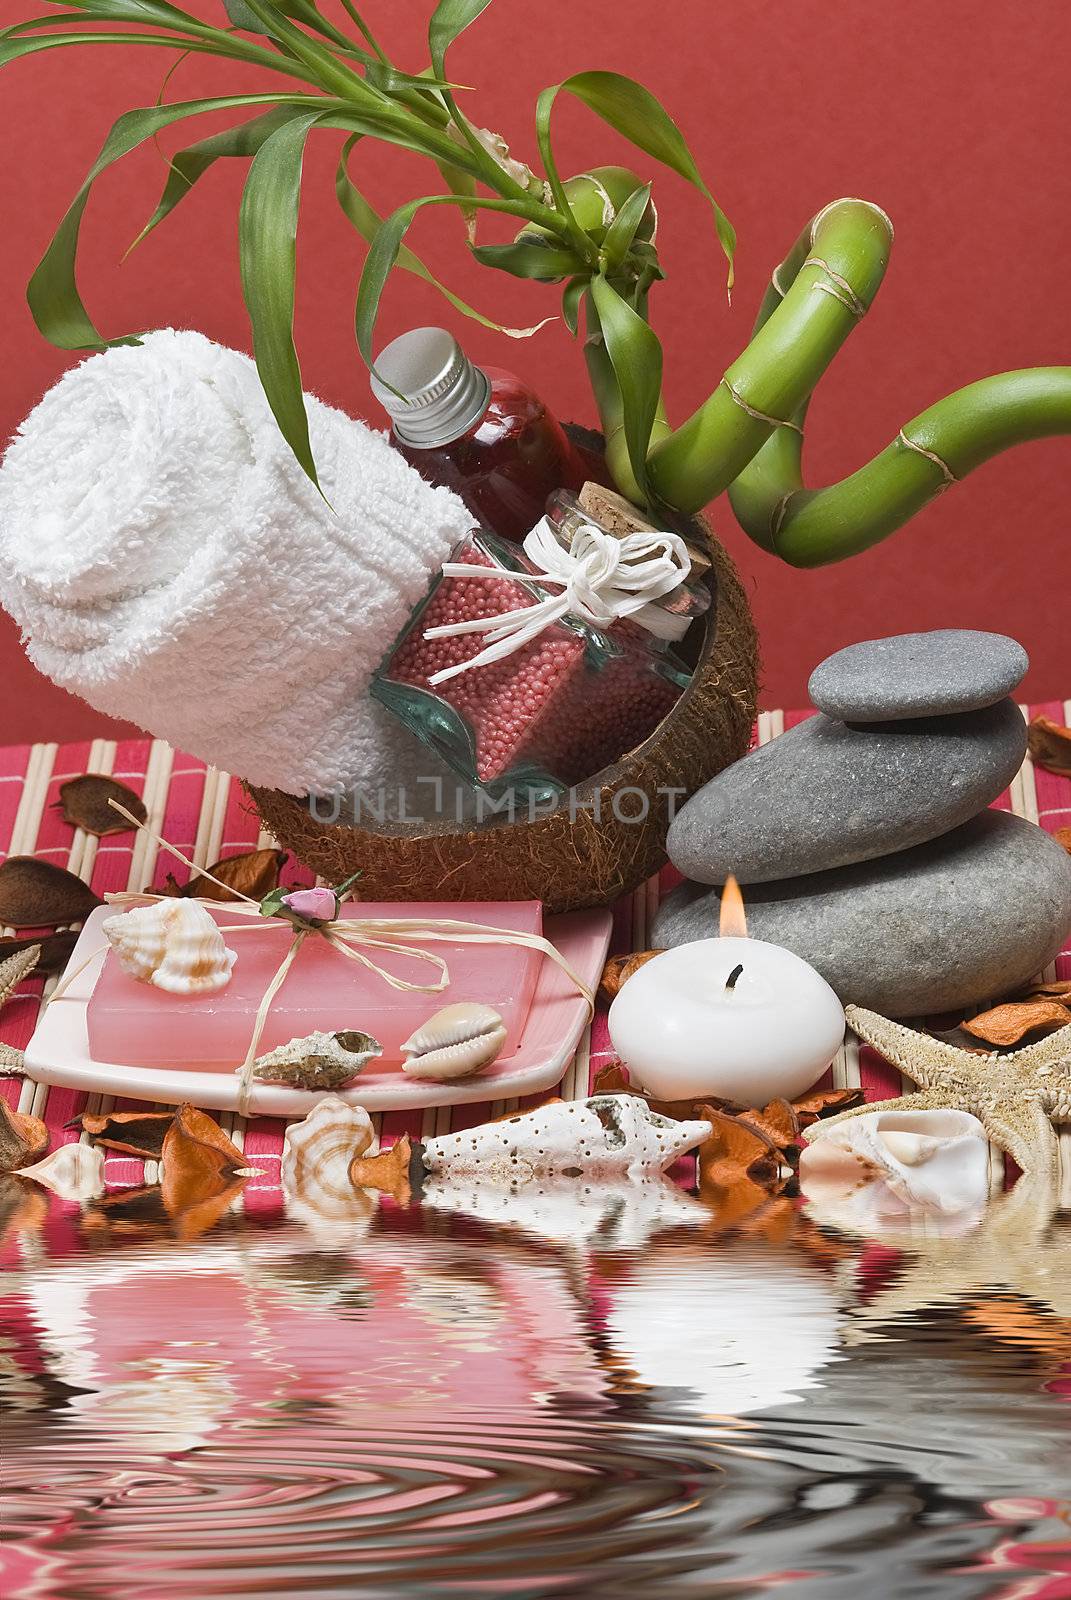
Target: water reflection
pixel 609 1393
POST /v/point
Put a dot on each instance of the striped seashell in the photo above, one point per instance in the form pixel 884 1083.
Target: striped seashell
pixel 315 1167
pixel 74 1172
pixel 456 1042
pixel 174 945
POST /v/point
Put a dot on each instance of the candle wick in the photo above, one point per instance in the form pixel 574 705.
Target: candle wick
pixel 730 982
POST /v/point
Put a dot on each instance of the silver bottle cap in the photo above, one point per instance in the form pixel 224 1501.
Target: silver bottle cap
pixel 440 394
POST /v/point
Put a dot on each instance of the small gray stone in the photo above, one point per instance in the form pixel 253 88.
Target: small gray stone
pixel 970 917
pixel 826 795
pixel 918 675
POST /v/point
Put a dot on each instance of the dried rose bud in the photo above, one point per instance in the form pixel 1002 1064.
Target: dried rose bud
pixel 318 905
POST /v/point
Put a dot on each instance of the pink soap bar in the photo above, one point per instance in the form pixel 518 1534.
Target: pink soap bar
pixel 136 1024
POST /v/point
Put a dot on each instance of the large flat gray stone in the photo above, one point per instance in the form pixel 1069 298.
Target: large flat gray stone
pixel 827 795
pixel 918 675
pixel 968 917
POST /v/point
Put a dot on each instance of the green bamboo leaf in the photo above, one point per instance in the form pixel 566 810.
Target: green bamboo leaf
pixel 367 221
pixel 636 357
pixel 228 46
pixel 621 233
pixel 635 112
pixel 53 290
pixel 324 66
pixel 298 11
pixel 384 252
pixel 450 18
pixel 572 296
pixel 267 250
pixel 544 107
pixel 529 257
pixel 187 166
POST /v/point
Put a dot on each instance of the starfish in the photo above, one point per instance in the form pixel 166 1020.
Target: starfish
pixel 12 972
pixel 1016 1097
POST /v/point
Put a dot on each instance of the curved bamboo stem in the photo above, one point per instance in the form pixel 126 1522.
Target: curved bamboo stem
pixel 822 289
pixel 810 527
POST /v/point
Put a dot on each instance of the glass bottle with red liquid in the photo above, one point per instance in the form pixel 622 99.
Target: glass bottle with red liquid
pixel 480 431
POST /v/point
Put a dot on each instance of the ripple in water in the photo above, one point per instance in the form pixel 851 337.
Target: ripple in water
pixel 445 1408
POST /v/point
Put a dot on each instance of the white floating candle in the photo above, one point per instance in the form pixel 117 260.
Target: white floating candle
pixel 731 1017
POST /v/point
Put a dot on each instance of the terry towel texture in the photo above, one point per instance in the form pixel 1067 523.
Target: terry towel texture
pixel 167 559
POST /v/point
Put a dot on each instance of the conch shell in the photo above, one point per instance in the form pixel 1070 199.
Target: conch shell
pixel 315 1167
pixel 172 944
pixel 883 1167
pixel 319 1061
pixel 456 1042
pixel 608 1137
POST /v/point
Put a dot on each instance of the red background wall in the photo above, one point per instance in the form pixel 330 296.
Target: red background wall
pixel 952 115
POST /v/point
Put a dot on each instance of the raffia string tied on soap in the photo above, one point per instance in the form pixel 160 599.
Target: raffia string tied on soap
pixel 603 578
pixel 350 936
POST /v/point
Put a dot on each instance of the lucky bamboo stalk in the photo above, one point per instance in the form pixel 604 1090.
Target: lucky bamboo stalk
pixel 594 234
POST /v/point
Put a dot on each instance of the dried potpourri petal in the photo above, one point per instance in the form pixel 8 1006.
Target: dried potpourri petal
pixel 85 804
pixel 23 1206
pixel 1063 836
pixel 37 894
pixel 255 873
pixel 23 1139
pixel 135 1133
pixel 778 1121
pixel 388 1172
pixel 203 1171
pixel 1049 744
pixel 619 969
pixel 1007 1024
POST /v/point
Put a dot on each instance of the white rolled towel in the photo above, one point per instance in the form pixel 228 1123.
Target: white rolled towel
pixel 167 559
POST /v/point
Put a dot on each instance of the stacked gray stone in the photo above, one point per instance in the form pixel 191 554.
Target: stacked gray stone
pixel 863 835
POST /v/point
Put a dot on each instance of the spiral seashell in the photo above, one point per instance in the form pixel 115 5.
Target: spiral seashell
pixel 318 1061
pixel 456 1042
pixel 172 944
pixel 315 1167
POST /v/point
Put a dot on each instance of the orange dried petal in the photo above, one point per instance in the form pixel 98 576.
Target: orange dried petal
pixel 1007 1024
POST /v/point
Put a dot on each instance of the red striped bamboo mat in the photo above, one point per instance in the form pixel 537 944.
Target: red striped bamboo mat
pixel 204 813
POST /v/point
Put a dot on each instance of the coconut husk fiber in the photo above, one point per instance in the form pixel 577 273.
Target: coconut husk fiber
pixel 575 857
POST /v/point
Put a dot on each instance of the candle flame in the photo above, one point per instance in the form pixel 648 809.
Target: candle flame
pixel 733 923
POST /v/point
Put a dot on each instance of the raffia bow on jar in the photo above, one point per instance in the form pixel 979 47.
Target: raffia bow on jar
pixel 603 578
pixel 316 913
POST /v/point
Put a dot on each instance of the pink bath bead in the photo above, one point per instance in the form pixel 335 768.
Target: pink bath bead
pixel 319 905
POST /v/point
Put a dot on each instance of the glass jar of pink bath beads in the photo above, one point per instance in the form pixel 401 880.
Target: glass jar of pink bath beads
pixel 568 702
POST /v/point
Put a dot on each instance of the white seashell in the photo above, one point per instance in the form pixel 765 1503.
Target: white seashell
pixel 172 944
pixel 74 1172
pixel 610 1136
pixel 318 1061
pixel 884 1165
pixel 317 1152
pixel 456 1042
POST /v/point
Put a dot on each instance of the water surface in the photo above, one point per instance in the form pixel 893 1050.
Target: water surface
pixel 428 1401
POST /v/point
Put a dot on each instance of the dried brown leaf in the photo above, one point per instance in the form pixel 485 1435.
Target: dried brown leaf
pixel 23 1139
pixel 777 1121
pixel 255 873
pixel 36 894
pixel 55 952
pixel 619 969
pixel 135 1133
pixel 1049 743
pixel 819 1103
pixel 1063 837
pixel 1007 1024
pixel 1058 989
pixel 199 1161
pixel 735 1151
pixel 84 803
